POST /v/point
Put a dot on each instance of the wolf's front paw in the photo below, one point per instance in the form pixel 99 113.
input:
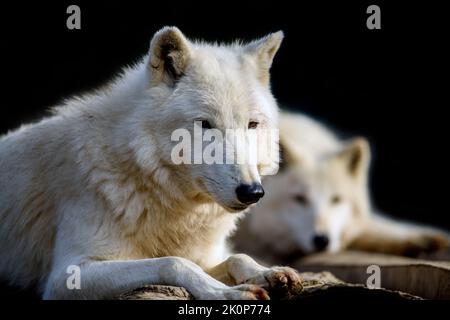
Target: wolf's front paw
pixel 426 243
pixel 280 282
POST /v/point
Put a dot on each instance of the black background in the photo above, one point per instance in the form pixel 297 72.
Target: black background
pixel 389 85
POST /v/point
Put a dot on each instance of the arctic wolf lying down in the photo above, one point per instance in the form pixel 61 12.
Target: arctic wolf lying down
pixel 94 185
pixel 320 201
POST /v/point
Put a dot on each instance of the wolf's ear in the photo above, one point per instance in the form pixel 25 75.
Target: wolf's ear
pixel 170 53
pixel 264 51
pixel 356 156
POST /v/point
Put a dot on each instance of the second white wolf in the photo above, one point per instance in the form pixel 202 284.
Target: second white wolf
pixel 321 201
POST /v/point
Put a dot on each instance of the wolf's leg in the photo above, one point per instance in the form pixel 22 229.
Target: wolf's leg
pixel 240 268
pixel 108 279
pixel 383 235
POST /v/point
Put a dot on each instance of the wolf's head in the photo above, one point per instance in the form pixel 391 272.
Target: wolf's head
pixel 196 87
pixel 314 205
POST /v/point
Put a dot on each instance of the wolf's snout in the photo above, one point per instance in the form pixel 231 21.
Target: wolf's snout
pixel 320 241
pixel 249 193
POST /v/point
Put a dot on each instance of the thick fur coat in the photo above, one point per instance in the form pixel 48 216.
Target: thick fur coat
pixel 94 186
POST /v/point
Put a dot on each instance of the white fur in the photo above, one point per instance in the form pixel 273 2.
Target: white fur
pixel 94 185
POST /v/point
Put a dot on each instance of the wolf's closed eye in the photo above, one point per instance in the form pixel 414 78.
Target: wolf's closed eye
pixel 336 199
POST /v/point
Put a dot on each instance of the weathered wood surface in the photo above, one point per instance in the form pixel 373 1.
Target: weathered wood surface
pixel 313 285
pixel 425 278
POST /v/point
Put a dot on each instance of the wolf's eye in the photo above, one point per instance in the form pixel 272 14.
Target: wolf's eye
pixel 206 124
pixel 253 125
pixel 335 199
pixel 301 199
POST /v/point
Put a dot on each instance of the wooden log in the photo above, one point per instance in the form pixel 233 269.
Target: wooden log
pixel 314 285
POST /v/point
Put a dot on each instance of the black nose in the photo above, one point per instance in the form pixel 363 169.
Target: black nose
pixel 249 193
pixel 320 241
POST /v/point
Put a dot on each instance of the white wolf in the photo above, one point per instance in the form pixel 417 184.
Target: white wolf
pixel 320 201
pixel 94 186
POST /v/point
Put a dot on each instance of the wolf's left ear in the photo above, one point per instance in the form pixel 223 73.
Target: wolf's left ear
pixel 170 53
pixel 356 156
pixel 264 51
